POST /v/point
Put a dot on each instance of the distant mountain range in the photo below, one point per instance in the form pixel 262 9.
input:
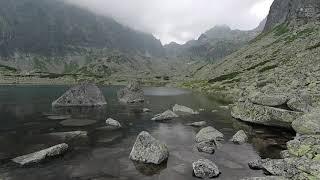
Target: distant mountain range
pixel 213 45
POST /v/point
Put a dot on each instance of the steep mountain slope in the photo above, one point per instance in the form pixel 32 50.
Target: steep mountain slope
pixel 213 45
pixel 286 55
pixel 50 35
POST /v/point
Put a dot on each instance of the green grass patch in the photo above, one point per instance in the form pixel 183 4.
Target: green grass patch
pixel 280 29
pixel 267 68
pixel 8 68
pixel 224 77
pixel 258 65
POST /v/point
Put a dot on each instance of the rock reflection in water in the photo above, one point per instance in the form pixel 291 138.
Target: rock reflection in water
pixel 150 169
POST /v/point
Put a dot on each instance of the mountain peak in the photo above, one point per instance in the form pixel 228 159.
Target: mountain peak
pixel 293 11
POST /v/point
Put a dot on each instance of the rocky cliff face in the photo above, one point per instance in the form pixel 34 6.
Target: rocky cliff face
pixel 286 56
pixel 292 11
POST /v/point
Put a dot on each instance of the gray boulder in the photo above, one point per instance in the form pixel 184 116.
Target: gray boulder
pixel 209 134
pixel 147 149
pixel 206 147
pixel 308 123
pixel 204 168
pixel 285 154
pixel 133 93
pixel 113 123
pixel 259 114
pixel 240 137
pixel 183 110
pixel 257 164
pixel 268 100
pixel 198 124
pixel 81 95
pixel 42 155
pixel 167 115
pixel 281 167
pixel 299 104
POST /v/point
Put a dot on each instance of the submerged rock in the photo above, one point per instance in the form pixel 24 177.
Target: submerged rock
pixel 209 134
pixel 59 117
pixel 77 122
pixel 183 110
pixel 147 149
pixel 42 155
pixel 133 93
pixel 240 137
pixel 270 116
pixel 167 115
pixel 146 110
pixel 198 124
pixel 69 136
pixel 113 123
pixel 81 95
pixel 308 123
pixel 204 168
pixel 269 100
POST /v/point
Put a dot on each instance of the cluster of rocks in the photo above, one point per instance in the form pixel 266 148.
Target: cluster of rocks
pixel 149 150
pixel 271 109
pixel 302 159
pixel 81 95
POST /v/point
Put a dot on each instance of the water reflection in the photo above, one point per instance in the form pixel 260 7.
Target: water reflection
pixel 105 154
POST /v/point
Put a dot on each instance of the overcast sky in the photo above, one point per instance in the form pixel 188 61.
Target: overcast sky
pixel 181 20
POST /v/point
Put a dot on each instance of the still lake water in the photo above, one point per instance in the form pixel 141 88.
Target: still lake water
pixel 23 125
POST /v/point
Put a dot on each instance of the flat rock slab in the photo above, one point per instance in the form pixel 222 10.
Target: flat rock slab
pixel 268 100
pixel 266 115
pixel 82 95
pixel 77 122
pixel 59 117
pixel 42 155
pixel 147 149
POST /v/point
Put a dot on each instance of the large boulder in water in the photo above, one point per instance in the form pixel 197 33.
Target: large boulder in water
pixel 204 168
pixel 42 155
pixel 147 149
pixel 133 93
pixel 81 95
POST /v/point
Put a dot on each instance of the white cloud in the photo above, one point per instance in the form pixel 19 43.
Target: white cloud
pixel 181 20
